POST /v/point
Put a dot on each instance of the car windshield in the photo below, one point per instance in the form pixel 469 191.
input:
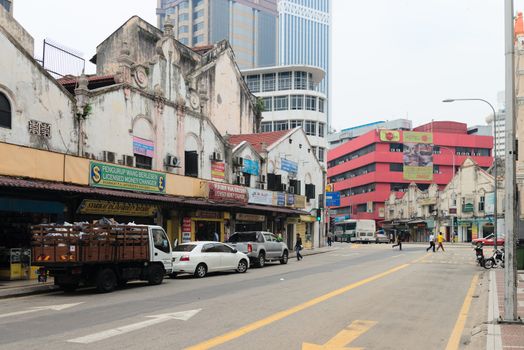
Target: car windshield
pixel 243 237
pixel 184 248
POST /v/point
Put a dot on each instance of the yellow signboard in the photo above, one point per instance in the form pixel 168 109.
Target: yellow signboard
pixel 98 207
pixel 389 135
pixel 417 137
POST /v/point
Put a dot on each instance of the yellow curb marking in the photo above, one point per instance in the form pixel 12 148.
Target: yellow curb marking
pixel 344 337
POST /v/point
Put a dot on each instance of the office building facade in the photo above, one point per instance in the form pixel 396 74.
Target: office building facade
pixel 249 25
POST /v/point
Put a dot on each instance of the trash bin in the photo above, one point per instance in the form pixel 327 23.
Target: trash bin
pixel 520 255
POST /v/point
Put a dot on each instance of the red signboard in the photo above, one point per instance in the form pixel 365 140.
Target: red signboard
pixel 186 225
pixel 218 170
pixel 227 193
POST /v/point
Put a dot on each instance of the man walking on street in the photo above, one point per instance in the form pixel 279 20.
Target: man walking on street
pixel 399 242
pixel 329 239
pixel 440 239
pixel 431 243
pixel 298 247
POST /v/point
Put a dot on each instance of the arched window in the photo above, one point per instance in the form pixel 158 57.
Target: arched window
pixel 5 112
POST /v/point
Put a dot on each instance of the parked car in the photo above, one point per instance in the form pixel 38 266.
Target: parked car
pixel 260 247
pixel 488 240
pixel 381 238
pixel 200 258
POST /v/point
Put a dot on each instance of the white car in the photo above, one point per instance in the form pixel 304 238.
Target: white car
pixel 199 258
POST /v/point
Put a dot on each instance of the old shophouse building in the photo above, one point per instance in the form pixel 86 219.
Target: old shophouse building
pixel 146 139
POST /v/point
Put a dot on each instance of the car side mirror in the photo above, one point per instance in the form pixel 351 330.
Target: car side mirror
pixel 235 251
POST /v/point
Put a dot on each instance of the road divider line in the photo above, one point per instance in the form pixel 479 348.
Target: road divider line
pixel 221 339
pixel 454 339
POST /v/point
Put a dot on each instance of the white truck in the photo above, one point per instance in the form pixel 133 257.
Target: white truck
pixel 105 256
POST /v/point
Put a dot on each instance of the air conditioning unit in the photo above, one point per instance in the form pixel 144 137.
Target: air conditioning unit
pixel 241 180
pixel 291 189
pixel 215 156
pixel 89 155
pixel 109 157
pixel 261 186
pixel 284 187
pixel 172 161
pixel 262 178
pixel 238 161
pixel 128 160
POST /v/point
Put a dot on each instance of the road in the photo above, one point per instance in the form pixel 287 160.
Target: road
pixel 370 296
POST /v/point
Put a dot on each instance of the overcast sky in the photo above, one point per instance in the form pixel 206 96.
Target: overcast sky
pixel 391 59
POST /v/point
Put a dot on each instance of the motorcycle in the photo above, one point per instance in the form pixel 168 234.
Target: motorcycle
pixel 496 260
pixel 479 252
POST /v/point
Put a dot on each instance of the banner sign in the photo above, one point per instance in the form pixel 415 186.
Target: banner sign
pixel 257 196
pixel 332 199
pixel 143 147
pixel 389 135
pixel 290 199
pixel 250 217
pixel 300 202
pixel 100 207
pixel 251 167
pixel 289 166
pixel 122 178
pixel 489 206
pixel 280 199
pixel 229 193
pixel 218 170
pixel 418 156
pixel 186 230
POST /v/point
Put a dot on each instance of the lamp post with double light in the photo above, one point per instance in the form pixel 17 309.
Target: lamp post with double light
pixel 495 214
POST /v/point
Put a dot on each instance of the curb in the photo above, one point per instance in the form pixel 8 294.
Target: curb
pixel 25 291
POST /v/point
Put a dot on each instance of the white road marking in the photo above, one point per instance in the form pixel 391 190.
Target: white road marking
pixel 397 256
pixel 91 338
pixel 40 308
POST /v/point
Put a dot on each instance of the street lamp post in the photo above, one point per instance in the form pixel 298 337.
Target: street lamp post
pixel 495 214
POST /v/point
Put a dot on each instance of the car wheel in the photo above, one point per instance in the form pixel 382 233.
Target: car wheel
pixel 242 266
pixel 261 260
pixel 201 271
pixel 156 275
pixel 106 280
pixel 284 258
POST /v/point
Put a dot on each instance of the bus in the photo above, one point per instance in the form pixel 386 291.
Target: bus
pixel 362 231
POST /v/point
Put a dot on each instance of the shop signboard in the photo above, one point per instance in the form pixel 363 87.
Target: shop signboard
pixel 227 193
pixel 300 202
pixel 250 217
pixel 418 155
pixel 123 178
pixel 100 207
pixel 288 166
pixel 257 196
pixel 389 135
pixel 143 147
pixel 186 237
pixel 290 199
pixel 186 230
pixel 332 199
pixel 251 167
pixel 280 198
pixel 489 208
pixel 218 170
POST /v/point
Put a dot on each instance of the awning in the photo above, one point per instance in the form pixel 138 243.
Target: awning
pixel 417 222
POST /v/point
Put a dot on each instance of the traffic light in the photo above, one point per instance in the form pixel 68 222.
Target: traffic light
pixel 319 214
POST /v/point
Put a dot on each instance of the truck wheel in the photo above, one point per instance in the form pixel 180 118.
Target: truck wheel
pixel 201 271
pixel 156 275
pixel 242 266
pixel 284 258
pixel 261 260
pixel 69 288
pixel 106 280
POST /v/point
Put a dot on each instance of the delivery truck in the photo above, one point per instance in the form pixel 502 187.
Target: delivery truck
pixel 104 256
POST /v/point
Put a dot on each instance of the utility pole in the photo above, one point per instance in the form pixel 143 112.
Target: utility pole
pixel 510 200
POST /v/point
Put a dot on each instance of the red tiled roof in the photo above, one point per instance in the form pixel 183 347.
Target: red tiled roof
pixel 399 195
pixel 68 80
pixel 256 140
pixel 202 49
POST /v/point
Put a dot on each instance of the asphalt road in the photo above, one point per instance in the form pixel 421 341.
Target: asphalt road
pixel 370 296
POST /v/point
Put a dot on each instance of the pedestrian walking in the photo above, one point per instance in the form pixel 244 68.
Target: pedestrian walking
pixel 399 242
pixel 440 240
pixel 329 239
pixel 431 243
pixel 298 247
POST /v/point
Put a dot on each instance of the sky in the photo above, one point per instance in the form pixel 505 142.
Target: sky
pixel 390 59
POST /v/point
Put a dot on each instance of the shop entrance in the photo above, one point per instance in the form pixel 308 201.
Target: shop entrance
pixel 248 226
pixel 207 230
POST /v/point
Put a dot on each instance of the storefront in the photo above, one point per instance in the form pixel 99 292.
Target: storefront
pixel 250 222
pixel 418 231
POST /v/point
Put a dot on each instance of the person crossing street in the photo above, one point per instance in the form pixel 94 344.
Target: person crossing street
pixel 440 240
pixel 431 243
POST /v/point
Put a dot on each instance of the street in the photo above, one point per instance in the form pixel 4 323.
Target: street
pixel 356 296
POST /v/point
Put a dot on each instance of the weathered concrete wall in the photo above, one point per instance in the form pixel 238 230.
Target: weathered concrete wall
pixel 16 30
pixel 34 95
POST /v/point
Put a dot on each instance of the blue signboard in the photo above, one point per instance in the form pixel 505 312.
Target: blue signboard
pixel 332 199
pixel 289 166
pixel 251 167
pixel 281 199
pixel 290 199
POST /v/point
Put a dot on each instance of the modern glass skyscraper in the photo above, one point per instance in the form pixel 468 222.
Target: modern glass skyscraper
pixel 249 25
pixel 304 35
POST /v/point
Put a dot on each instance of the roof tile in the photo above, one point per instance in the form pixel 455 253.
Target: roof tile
pixel 256 140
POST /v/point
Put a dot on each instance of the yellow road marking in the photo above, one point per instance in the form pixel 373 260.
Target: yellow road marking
pixel 221 339
pixel 421 258
pixel 344 337
pixel 454 339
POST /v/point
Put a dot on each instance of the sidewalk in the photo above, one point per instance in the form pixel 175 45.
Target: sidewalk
pixel 9 289
pixel 501 335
